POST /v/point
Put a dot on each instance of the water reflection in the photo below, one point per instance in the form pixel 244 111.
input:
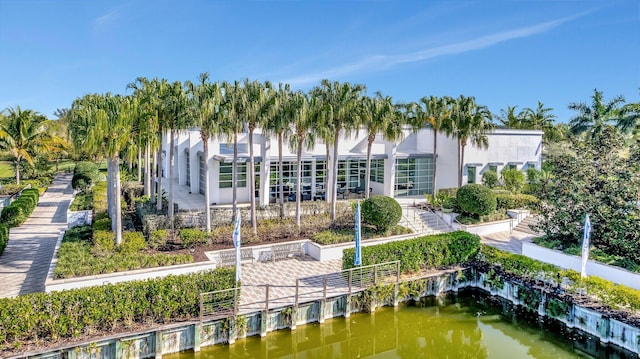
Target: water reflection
pixel 427 329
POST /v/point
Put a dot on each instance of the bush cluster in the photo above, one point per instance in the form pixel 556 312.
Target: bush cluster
pixel 19 210
pixel 512 201
pixel 68 314
pixel 85 174
pixel 490 179
pixel 4 237
pixel 382 212
pixel 334 236
pixel 420 253
pixel 100 201
pixel 192 237
pixel 476 199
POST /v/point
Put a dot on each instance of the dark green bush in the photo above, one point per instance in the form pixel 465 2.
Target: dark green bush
pixel 192 237
pixel 420 253
pixel 132 242
pixel 381 212
pixel 19 210
pixel 71 313
pixel 4 237
pixel 490 179
pixel 476 199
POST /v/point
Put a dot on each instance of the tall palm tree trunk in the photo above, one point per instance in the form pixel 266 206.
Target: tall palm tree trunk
pixel 460 162
pixel 147 170
pixel 207 194
pixel 139 165
pixel 171 165
pixel 299 183
pixel 110 191
pixel 435 162
pixel 252 185
pixel 280 175
pixel 159 177
pixel 326 172
pixel 334 165
pixel 368 170
pixel 117 200
pixel 234 175
pixel 18 169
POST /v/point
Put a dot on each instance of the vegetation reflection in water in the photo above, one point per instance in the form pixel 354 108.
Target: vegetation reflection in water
pixel 465 329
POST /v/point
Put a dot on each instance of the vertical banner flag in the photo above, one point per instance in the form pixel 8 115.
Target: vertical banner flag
pixel 357 256
pixel 585 245
pixel 236 243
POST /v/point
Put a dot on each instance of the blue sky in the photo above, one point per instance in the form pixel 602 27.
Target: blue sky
pixel 502 52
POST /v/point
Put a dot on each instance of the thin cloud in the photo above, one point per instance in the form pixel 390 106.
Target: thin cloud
pixel 105 22
pixel 377 62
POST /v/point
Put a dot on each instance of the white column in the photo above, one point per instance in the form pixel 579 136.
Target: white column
pixel 265 170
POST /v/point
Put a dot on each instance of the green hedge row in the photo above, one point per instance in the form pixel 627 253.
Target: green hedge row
pixel 513 201
pixel 4 237
pixel 614 295
pixel 68 314
pixel 422 252
pixel 19 210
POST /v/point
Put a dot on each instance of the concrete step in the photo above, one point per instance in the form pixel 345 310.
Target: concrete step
pixel 525 225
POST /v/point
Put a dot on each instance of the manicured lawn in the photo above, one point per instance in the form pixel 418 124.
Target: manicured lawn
pixel 6 170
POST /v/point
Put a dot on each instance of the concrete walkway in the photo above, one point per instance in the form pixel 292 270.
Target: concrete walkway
pixel 24 265
pixel 507 241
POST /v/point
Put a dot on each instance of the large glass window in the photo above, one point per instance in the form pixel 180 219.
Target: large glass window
pixel 413 176
pixel 186 160
pixel 289 176
pixel 226 175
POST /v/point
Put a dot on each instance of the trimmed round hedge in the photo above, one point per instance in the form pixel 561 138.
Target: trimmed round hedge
pixel 381 212
pixel 476 199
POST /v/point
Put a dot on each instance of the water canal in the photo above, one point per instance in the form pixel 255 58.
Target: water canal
pixel 469 325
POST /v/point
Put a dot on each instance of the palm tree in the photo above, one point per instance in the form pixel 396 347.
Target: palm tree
pixel 435 112
pixel 258 105
pixel 144 91
pixel 378 116
pixel 593 119
pixel 541 118
pixel 207 98
pixel 510 119
pixel 339 103
pixel 468 122
pixel 111 118
pixel 280 125
pixel 174 106
pixel 233 111
pixel 25 134
pixel 630 118
pixel 302 137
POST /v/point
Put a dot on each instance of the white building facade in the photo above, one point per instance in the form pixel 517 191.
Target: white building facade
pixel 398 169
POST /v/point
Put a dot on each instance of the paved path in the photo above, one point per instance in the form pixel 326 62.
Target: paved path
pixel 507 241
pixel 24 265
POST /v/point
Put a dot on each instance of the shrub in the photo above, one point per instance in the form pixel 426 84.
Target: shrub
pixel 192 237
pixel 100 200
pixel 10 189
pixel 451 192
pixel 158 239
pixel 451 203
pixel 511 201
pixel 71 313
pixel 381 212
pixel 132 242
pixel 102 224
pixel 490 179
pixel 103 242
pixel 19 210
pixel 476 199
pixel 4 237
pixel 513 180
pixel 422 252
pixel 80 182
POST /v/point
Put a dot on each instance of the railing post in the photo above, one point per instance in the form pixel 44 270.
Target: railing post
pixel 323 301
pixel 265 313
pixel 375 274
pixel 347 305
pixel 235 301
pixel 201 305
pixel 396 293
pixel 297 292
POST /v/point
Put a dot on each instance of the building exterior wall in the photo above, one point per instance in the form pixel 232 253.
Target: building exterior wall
pixel 519 148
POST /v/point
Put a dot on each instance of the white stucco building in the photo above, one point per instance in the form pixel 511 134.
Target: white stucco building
pixel 403 168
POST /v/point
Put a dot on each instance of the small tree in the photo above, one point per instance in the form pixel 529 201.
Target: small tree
pixel 513 180
pixel 381 212
pixel 476 199
pixel 490 179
